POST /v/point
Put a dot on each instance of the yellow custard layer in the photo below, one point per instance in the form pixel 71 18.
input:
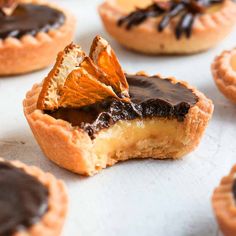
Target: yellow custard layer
pixel 164 138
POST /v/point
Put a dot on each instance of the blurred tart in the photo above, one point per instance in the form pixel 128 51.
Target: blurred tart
pixel 32 202
pixel 224 73
pixel 87 114
pixel 224 203
pixel 168 27
pixel 32 35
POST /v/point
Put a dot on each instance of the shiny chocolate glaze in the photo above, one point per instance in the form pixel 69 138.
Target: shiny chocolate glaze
pixel 187 10
pixel 150 97
pixel 23 200
pixel 30 19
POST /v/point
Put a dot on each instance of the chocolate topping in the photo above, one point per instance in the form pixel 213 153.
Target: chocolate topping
pixel 30 19
pixel 150 97
pixel 186 10
pixel 23 200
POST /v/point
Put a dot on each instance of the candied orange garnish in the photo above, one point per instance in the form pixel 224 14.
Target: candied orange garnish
pixel 104 57
pixel 82 89
pixel 77 80
pixel 67 60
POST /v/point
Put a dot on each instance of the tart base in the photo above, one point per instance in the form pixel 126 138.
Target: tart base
pixel 145 38
pixel 159 138
pixel 51 223
pixel 31 53
pixel 224 206
pixel 224 74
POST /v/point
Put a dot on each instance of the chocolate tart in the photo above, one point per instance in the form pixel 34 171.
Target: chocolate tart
pixel 147 117
pixel 32 202
pixel 224 204
pixel 32 35
pixel 169 27
pixel 224 73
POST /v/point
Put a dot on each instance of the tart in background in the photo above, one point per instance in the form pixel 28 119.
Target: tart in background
pixel 224 203
pixel 32 35
pixel 224 73
pixel 33 203
pixel 87 114
pixel 168 27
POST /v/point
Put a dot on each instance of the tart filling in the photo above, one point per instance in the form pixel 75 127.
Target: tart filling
pixel 93 93
pixel 30 19
pixel 149 97
pixel 23 199
pixel 185 11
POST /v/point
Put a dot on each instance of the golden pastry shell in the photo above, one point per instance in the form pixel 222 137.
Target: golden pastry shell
pixel 208 30
pixel 31 53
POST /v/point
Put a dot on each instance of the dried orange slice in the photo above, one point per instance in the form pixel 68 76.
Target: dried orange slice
pixel 83 89
pixel 77 80
pixel 104 57
pixel 67 61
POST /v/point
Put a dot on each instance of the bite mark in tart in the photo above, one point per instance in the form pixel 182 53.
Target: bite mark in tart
pixel 32 35
pixel 224 73
pixel 169 27
pixel 32 202
pixel 223 202
pixel 135 116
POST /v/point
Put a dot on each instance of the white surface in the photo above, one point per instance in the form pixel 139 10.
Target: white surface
pixel 141 198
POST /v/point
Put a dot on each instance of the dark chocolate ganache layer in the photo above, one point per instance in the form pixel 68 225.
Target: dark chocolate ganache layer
pixel 186 10
pixel 30 19
pixel 150 97
pixel 23 200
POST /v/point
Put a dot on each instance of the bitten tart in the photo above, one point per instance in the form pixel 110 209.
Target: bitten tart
pixel 224 73
pixel 32 35
pixel 224 204
pixel 32 202
pixel 87 114
pixel 168 27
